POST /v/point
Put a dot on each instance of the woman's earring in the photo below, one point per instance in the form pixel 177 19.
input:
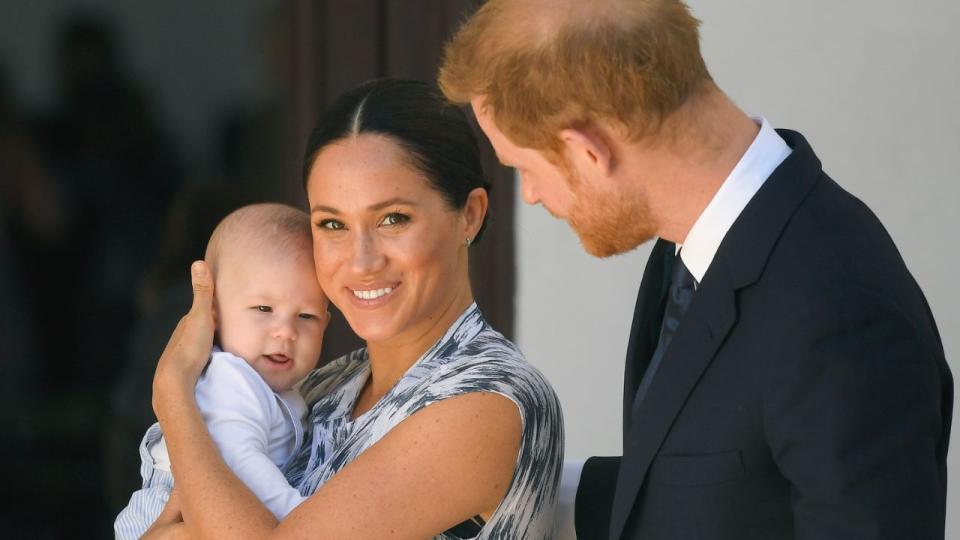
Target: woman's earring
pixel 468 242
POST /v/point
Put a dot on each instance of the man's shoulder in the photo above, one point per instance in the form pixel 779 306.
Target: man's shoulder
pixel 835 239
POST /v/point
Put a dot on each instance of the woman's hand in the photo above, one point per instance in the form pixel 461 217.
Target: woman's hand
pixel 171 531
pixel 169 524
pixel 188 350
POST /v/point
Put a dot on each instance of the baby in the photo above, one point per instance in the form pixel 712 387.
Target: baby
pixel 271 315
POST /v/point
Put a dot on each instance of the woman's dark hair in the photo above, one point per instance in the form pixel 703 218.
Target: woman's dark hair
pixel 434 132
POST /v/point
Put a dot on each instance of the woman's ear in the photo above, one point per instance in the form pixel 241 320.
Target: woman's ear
pixel 474 211
pixel 588 150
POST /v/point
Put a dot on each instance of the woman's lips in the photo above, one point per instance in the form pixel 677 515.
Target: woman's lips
pixel 370 297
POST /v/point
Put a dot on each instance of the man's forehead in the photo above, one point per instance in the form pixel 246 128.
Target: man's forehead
pixel 485 118
pixel 503 147
pixel 479 106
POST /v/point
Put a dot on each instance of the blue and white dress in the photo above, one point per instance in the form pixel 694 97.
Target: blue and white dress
pixel 470 357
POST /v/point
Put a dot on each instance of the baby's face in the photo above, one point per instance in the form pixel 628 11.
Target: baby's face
pixel 272 313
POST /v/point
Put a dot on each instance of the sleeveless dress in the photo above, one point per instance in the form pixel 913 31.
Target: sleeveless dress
pixel 470 357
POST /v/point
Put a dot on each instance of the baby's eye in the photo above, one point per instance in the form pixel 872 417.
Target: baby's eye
pixel 264 309
pixel 307 316
pixel 395 218
pixel 331 225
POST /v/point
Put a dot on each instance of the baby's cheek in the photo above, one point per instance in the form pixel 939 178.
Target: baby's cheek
pixel 315 342
pixel 228 342
pixel 241 339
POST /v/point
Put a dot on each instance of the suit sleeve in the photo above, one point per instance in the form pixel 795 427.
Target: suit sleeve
pixel 237 408
pixel 857 418
pixel 598 482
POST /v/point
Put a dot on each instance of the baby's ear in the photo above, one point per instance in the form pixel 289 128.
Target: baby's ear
pixel 216 324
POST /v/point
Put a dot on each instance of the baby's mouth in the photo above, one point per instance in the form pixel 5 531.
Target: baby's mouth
pixel 278 358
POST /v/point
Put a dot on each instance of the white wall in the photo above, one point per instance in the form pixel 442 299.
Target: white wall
pixel 874 85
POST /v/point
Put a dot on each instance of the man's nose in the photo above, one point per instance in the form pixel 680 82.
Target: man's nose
pixel 527 189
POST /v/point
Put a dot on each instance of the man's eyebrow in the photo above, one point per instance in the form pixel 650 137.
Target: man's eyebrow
pixel 378 206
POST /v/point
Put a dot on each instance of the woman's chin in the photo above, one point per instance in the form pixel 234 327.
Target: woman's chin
pixel 370 329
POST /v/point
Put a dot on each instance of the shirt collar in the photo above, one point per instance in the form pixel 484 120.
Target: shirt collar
pixel 764 155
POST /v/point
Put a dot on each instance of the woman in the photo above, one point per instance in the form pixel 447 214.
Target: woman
pixel 439 427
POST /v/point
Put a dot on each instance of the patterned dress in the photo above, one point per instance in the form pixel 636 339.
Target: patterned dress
pixel 470 357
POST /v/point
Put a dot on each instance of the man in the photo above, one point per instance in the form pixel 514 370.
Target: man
pixel 784 376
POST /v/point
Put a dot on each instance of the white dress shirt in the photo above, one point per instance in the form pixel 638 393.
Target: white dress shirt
pixel 764 155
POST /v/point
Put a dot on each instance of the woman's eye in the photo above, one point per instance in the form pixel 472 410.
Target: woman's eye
pixel 395 218
pixel 264 309
pixel 330 225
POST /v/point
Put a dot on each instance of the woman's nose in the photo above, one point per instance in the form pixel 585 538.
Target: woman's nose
pixel 367 258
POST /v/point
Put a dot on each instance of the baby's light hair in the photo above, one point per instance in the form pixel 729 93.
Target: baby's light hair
pixel 270 227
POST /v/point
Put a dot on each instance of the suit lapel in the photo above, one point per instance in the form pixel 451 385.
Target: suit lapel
pixel 738 262
pixel 646 321
pixel 704 327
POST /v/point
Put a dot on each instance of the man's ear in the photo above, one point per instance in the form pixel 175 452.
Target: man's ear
pixel 588 149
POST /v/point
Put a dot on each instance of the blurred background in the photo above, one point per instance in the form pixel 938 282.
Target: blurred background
pixel 129 129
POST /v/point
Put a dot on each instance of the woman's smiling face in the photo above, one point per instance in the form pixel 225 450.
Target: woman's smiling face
pixel 388 249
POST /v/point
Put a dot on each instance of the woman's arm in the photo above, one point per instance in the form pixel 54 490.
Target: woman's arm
pixel 169 524
pixel 199 470
pixel 444 464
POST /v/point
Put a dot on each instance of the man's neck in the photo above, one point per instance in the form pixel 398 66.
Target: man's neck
pixel 682 176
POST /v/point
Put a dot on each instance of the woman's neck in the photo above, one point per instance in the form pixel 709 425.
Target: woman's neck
pixel 391 359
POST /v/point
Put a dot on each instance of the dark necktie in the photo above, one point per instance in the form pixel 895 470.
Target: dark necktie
pixel 682 288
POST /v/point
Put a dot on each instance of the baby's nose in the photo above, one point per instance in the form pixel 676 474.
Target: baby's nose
pixel 285 330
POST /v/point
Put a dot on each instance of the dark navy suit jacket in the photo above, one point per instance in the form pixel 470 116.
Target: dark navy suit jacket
pixel 804 396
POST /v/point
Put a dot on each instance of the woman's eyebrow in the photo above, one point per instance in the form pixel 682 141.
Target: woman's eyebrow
pixel 321 208
pixel 392 202
pixel 377 206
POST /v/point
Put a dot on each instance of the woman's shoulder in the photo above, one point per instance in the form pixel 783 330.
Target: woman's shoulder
pixel 333 374
pixel 489 362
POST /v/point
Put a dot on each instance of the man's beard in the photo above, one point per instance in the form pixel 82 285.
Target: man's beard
pixel 608 224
